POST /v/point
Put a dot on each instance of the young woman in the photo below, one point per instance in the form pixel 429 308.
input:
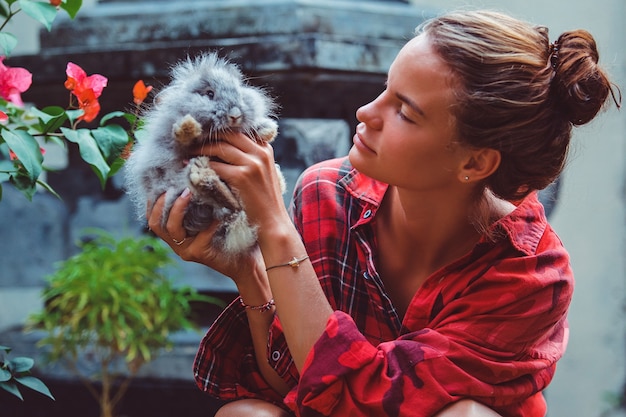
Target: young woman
pixel 420 270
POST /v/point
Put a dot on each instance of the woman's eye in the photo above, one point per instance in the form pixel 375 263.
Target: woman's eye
pixel 403 116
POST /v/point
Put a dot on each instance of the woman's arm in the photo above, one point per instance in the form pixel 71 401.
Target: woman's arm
pixel 247 272
pixel 249 168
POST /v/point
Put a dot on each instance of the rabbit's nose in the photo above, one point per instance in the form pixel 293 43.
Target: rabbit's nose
pixel 234 116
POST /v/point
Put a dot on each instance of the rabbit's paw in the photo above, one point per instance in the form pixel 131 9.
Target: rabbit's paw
pixel 187 130
pixel 268 130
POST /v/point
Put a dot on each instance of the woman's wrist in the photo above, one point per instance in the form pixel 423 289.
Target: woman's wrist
pixel 276 232
pixel 254 288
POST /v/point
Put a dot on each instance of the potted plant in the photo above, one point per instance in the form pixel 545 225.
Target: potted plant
pixel 110 309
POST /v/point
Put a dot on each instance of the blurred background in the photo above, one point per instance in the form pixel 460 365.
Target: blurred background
pixel 321 60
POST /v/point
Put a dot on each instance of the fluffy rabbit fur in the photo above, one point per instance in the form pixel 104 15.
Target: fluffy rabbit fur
pixel 207 95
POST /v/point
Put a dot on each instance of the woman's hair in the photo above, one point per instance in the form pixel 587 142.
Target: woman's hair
pixel 518 93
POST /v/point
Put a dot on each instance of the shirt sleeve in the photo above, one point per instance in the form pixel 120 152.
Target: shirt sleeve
pixel 225 366
pixel 496 341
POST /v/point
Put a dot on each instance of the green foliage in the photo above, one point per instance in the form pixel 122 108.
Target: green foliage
pixel 21 160
pixel 113 295
pixel 15 372
pixel 113 301
pixel 19 135
pixel 100 147
pixel 41 11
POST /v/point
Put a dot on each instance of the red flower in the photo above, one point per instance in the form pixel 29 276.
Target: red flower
pixel 13 82
pixel 13 156
pixel 140 92
pixel 4 118
pixel 88 101
pixel 56 3
pixel 87 89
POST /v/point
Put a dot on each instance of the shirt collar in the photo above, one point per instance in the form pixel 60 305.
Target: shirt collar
pixel 524 226
pixel 366 190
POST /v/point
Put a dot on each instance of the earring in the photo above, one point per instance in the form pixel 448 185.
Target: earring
pixel 466 178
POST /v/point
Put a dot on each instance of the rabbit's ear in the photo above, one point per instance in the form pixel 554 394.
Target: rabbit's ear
pixel 234 71
pixel 183 69
pixel 212 60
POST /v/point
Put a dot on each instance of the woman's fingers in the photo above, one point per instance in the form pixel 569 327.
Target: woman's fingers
pixel 196 248
pixel 174 223
pixel 172 231
pixel 235 148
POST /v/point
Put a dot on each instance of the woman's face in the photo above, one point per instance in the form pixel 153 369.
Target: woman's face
pixel 405 136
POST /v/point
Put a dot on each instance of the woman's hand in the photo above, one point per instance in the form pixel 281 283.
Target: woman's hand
pixel 248 167
pixel 198 248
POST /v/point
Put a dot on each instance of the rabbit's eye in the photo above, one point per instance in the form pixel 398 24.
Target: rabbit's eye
pixel 209 93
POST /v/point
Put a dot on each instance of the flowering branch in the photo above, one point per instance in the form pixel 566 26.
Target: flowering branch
pixel 24 128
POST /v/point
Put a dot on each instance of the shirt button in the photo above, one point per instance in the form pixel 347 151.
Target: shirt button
pixel 275 356
pixel 367 214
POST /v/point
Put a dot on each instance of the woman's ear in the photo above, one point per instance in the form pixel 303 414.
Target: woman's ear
pixel 479 164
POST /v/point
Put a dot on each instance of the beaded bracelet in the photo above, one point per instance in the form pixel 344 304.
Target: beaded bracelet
pixel 294 263
pixel 261 309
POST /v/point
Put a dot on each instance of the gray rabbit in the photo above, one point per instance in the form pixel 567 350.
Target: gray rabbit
pixel 207 95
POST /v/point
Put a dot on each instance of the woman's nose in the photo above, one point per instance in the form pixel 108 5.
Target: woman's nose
pixel 369 115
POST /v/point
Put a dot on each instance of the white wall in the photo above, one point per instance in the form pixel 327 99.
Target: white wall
pixel 590 214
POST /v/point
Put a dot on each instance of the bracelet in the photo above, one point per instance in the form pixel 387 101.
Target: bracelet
pixel 294 263
pixel 262 308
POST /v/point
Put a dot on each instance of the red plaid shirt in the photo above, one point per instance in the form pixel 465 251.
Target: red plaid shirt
pixel 489 326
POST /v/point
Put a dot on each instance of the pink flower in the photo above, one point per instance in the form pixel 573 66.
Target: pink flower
pixel 78 81
pixel 87 89
pixel 13 82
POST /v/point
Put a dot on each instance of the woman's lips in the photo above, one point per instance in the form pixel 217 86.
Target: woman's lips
pixel 359 143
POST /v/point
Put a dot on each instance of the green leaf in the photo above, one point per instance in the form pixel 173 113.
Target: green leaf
pixel 24 184
pixel 3 11
pixel 48 188
pixel 72 7
pixel 73 115
pixel 6 169
pixel 116 165
pixel 12 388
pixel 110 116
pixel 27 150
pixel 35 384
pixel 7 42
pixel 5 348
pixel 22 364
pixel 89 151
pixel 44 13
pixel 52 117
pixel 111 140
pixel 5 375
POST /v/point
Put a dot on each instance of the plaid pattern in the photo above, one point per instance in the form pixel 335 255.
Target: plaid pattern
pixel 489 326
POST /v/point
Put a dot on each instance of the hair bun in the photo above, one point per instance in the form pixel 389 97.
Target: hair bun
pixel 580 86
